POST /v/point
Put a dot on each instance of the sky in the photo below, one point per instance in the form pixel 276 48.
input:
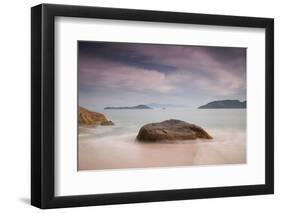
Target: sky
pixel 128 74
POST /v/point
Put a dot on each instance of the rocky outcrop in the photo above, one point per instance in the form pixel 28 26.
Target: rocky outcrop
pixel 224 104
pixel 89 118
pixel 171 130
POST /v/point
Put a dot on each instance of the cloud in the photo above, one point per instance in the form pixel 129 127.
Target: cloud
pixel 99 73
pixel 223 74
pixel 169 70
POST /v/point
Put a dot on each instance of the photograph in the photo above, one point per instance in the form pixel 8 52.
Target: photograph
pixel 160 105
pixel 170 105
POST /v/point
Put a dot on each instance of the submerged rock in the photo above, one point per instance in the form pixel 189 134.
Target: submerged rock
pixel 88 118
pixel 107 123
pixel 170 130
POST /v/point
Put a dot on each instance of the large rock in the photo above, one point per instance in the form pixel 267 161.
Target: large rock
pixel 87 117
pixel 171 130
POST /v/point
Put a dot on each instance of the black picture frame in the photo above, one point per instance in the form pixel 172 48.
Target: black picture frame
pixel 43 101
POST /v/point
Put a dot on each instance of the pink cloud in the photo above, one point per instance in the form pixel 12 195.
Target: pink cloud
pixel 114 75
pixel 225 80
pixel 194 66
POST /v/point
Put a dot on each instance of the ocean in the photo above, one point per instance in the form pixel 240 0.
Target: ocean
pixel 115 147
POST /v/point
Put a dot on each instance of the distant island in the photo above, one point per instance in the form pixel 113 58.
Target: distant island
pixel 225 104
pixel 161 106
pixel 132 107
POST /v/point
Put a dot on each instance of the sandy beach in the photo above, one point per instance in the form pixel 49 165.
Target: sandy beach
pixel 228 147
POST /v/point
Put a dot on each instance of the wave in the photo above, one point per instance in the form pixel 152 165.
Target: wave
pixel 123 151
pixel 103 135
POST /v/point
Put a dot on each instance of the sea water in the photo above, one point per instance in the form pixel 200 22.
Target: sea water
pixel 116 147
pixel 130 121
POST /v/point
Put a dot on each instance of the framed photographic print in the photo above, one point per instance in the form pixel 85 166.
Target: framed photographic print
pixel 140 106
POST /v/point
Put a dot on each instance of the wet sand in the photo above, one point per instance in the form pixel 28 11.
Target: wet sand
pixel 124 152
